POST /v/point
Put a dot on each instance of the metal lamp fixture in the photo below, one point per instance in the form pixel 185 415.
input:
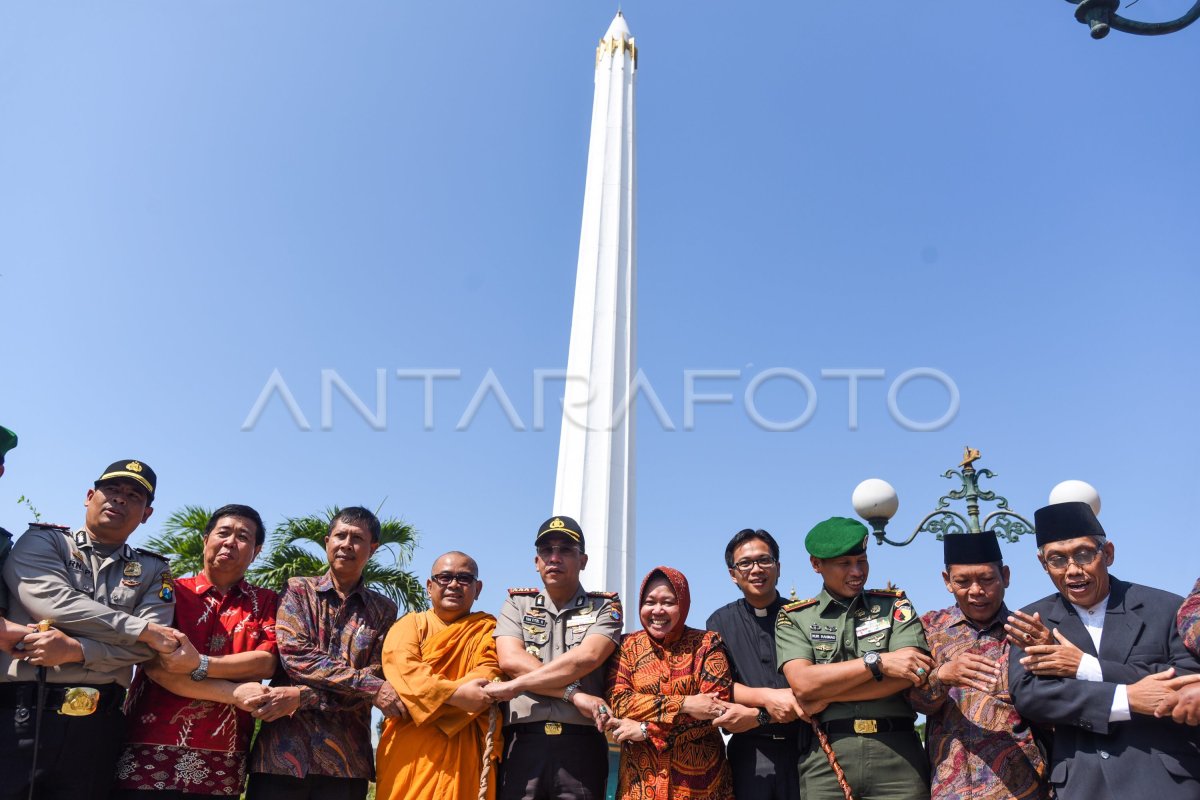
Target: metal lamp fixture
pixel 1101 16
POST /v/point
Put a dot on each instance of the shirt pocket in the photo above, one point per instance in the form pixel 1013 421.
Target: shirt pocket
pixel 575 634
pixel 123 597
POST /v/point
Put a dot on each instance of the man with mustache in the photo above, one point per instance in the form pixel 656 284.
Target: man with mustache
pixel 109 605
pixel 1115 656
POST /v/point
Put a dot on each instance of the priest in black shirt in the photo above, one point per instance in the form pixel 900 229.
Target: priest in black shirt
pixel 769 736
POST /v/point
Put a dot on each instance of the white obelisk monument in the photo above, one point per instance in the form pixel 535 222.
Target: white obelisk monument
pixel 596 450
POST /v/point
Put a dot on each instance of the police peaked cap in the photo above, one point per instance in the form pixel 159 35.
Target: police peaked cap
pixel 971 548
pixel 132 470
pixel 1060 521
pixel 564 526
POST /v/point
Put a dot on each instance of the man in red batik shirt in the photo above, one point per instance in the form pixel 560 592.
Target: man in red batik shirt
pixel 189 720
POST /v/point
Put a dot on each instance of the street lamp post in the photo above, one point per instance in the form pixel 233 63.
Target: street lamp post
pixel 876 501
pixel 1101 16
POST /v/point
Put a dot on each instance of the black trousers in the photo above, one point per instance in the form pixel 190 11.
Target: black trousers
pixel 572 765
pixel 764 768
pixel 77 756
pixel 263 786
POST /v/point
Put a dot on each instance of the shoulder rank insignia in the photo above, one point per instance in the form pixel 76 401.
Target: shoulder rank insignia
pixel 799 604
pixel 523 592
pixel 605 595
pixel 895 593
pixel 50 526
pixel 141 551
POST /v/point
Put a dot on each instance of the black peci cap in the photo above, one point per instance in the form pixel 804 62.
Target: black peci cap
pixel 971 548
pixel 1058 522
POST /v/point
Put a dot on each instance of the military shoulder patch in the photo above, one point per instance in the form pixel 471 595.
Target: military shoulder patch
pixel 897 593
pixel 141 551
pixel 605 595
pixel 799 604
pixel 523 592
pixel 50 526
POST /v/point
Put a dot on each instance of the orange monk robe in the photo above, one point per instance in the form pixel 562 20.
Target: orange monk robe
pixel 438 753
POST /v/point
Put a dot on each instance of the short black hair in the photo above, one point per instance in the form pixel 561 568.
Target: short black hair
pixel 745 535
pixel 236 510
pixel 357 515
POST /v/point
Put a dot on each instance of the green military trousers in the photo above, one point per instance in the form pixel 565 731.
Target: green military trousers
pixel 884 766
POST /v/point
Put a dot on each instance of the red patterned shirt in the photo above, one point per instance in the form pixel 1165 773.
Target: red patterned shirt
pixel 1189 621
pixel 974 750
pixel 194 745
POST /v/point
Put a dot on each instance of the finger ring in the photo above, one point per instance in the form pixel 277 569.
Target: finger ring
pixel 1028 638
pixel 920 670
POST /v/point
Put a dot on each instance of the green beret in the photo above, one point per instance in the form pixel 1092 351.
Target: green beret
pixel 836 536
pixel 8 440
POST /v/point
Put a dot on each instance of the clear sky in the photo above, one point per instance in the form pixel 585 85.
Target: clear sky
pixel 194 195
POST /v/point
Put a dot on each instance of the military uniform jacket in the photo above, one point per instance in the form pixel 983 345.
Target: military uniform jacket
pixel 5 546
pixel 1092 758
pixel 829 630
pixel 548 632
pixel 51 575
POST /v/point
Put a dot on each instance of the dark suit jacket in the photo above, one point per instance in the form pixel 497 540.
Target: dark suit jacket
pixel 1092 758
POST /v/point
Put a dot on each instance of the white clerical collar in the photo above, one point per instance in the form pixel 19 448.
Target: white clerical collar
pixel 759 612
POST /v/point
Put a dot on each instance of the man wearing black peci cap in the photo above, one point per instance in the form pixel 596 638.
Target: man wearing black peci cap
pixel 555 642
pixel 108 605
pixel 1116 654
pixel 978 747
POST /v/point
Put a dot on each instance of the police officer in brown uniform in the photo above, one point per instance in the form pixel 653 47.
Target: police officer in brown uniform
pixel 61 725
pixel 555 643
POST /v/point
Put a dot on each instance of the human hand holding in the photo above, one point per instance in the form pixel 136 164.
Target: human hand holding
pixel 471 697
pixel 737 718
pixel 387 701
pixel 908 663
pixel 703 706
pixel 250 696
pixel 627 730
pixel 592 706
pixel 782 705
pixel 1060 660
pixel 1182 705
pixel 183 659
pixel 160 638
pixel 970 670
pixel 279 701
pixel 810 710
pixel 49 648
pixel 501 691
pixel 11 633
pixel 1025 630
pixel 1145 695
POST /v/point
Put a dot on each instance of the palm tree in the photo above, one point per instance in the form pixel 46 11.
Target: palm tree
pixel 182 540
pixel 291 555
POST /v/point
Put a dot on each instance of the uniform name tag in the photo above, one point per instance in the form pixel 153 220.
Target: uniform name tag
pixel 823 637
pixel 872 626
pixel 530 619
pixel 581 620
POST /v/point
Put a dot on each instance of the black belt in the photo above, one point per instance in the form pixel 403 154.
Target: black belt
pixel 23 694
pixel 552 729
pixel 868 727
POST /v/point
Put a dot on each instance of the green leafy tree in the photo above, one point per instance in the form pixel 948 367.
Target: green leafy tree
pixel 297 549
pixel 182 540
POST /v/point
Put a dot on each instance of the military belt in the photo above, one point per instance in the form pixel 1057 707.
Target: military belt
pixel 867 727
pixel 552 729
pixel 72 700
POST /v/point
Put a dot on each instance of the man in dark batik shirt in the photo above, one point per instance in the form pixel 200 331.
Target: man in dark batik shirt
pixel 330 633
pixel 979 749
pixel 768 734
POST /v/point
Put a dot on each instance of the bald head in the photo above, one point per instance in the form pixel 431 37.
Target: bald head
pixel 453 585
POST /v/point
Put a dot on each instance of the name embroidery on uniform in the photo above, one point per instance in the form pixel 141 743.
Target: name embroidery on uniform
pixel 824 637
pixel 530 619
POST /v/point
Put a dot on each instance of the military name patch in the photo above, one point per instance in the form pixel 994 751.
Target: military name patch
pixel 823 637
pixel 531 619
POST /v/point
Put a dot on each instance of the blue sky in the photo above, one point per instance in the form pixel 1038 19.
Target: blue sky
pixel 195 195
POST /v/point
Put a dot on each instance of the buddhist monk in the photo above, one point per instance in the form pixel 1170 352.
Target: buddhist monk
pixel 438 661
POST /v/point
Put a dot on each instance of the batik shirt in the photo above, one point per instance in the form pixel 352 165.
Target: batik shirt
pixel 1189 621
pixel 198 746
pixel 333 649
pixel 975 751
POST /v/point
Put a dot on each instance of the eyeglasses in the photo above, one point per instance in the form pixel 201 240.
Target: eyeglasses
pixel 547 550
pixel 747 564
pixel 1082 557
pixel 446 578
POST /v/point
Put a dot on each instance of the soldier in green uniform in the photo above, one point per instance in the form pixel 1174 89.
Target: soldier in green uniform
pixel 109 605
pixel 849 654
pixel 10 632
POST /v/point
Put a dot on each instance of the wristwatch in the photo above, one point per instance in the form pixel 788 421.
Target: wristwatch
pixel 872 661
pixel 763 717
pixel 570 691
pixel 645 730
pixel 201 672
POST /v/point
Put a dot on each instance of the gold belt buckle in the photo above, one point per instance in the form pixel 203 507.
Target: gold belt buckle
pixel 862 726
pixel 553 728
pixel 80 701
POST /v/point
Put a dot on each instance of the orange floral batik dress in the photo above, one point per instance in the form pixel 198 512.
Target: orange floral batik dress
pixel 684 758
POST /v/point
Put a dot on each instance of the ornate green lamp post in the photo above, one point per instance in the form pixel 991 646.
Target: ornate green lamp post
pixel 876 501
pixel 1101 16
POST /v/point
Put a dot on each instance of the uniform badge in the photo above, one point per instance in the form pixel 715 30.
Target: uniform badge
pixel 132 583
pixel 534 621
pixel 860 613
pixel 166 591
pixel 823 647
pixel 784 621
pixel 875 609
pixel 814 627
pixel 831 628
pixel 533 650
pixel 132 569
pixel 876 640
pixel 903 611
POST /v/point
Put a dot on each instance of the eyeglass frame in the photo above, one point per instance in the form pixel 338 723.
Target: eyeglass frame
pixel 1068 558
pixel 454 577
pixel 747 565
